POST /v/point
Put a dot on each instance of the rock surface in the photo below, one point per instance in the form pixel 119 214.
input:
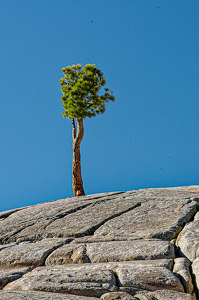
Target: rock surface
pixel 165 295
pixel 30 254
pixel 114 245
pixel 111 251
pixel 8 275
pixel 28 295
pixel 182 269
pixel 118 296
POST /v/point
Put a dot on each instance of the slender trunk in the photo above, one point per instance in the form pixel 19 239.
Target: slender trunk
pixel 77 138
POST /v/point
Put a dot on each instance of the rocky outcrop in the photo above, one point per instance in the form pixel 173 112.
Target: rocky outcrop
pixel 126 245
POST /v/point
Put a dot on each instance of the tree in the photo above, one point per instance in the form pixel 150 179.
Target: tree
pixel 81 99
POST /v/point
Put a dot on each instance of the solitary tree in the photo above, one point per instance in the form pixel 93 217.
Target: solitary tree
pixel 81 99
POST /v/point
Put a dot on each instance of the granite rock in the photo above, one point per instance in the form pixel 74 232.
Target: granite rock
pixel 8 275
pixel 188 240
pixel 72 280
pixel 28 295
pixel 167 295
pixel 103 245
pixel 92 280
pixel 149 213
pixel 195 270
pixel 111 251
pixel 162 215
pixel 29 254
pixel 182 269
pixel 117 296
pixel 151 279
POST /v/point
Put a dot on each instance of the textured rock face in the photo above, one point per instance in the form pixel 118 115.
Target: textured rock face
pixel 117 295
pixel 164 295
pixel 110 246
pixel 27 295
pixel 111 251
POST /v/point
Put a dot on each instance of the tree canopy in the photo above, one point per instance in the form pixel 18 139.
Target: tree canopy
pixel 82 94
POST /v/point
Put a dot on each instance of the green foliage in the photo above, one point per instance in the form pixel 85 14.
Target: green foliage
pixel 80 88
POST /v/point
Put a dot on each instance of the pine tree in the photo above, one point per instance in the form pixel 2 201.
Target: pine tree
pixel 81 99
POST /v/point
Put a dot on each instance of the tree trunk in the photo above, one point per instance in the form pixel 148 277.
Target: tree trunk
pixel 77 138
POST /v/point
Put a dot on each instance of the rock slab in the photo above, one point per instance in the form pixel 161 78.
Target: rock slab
pixel 118 245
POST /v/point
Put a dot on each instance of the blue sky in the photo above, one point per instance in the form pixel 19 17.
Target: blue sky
pixel 149 54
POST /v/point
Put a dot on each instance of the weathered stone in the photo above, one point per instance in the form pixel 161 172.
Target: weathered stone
pixel 166 263
pixel 71 254
pixel 24 295
pixel 190 188
pixel 36 222
pixel 111 251
pixel 72 280
pixel 117 296
pixel 86 221
pixel 129 250
pixel 195 270
pixel 7 246
pixel 196 217
pixel 29 254
pixel 36 217
pixel 108 243
pixel 181 268
pixel 188 241
pixel 132 280
pixel 145 296
pixel 7 213
pixel 90 279
pixel 188 246
pixel 8 275
pixel 100 239
pixel 162 216
pixel 168 295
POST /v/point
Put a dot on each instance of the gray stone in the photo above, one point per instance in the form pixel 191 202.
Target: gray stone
pixel 162 215
pixel 117 296
pixel 86 221
pixel 190 188
pixel 151 279
pixel 29 254
pixel 158 213
pixel 195 270
pixel 61 218
pixel 7 246
pixel 168 295
pixel 145 296
pixel 182 269
pixel 166 263
pixel 129 250
pixel 188 241
pixel 79 281
pixel 111 251
pixel 188 246
pixel 196 217
pixel 24 295
pixel 109 243
pixel 96 280
pixel 8 275
pixel 7 213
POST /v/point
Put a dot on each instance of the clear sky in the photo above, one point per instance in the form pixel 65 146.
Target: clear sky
pixel 148 51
